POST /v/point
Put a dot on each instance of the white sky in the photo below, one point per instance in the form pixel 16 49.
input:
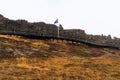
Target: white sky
pixel 93 16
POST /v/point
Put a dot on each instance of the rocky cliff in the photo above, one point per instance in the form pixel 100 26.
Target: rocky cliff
pixel 41 29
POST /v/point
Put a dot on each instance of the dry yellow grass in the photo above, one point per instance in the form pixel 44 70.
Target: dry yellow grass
pixel 60 68
pixel 64 62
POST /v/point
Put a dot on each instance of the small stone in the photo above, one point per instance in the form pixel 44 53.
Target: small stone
pixel 8 49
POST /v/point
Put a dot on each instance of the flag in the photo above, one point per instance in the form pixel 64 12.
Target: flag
pixel 56 21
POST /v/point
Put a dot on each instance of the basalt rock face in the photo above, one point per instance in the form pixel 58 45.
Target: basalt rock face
pixel 76 34
pixel 25 28
pixel 41 29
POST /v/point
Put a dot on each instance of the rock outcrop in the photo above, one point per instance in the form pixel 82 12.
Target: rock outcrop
pixel 41 29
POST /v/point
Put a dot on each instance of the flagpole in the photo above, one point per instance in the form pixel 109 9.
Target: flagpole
pixel 58 32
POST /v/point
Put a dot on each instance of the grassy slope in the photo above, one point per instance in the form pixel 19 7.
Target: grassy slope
pixel 53 60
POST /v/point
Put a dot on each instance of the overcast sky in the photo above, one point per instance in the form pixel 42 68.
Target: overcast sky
pixel 93 16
